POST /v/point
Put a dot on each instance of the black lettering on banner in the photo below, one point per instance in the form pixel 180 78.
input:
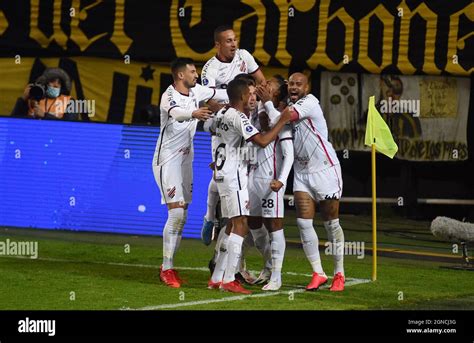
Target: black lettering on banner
pixel 143 97
pixel 118 100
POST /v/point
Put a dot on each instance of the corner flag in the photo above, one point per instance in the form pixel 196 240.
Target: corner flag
pixel 378 132
pixel 379 137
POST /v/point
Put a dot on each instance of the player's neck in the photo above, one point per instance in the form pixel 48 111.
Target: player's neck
pixel 238 106
pixel 181 88
pixel 223 59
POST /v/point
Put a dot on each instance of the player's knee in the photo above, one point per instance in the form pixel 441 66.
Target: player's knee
pixel 276 225
pixel 307 233
pixel 329 210
pixel 177 218
pixel 334 229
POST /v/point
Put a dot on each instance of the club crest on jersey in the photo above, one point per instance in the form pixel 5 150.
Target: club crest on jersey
pixel 249 129
pixel 171 192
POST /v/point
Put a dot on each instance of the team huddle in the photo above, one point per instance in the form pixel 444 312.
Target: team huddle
pixel 254 146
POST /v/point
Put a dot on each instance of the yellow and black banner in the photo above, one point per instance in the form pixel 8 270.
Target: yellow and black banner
pixel 117 52
pixel 120 91
pixel 391 36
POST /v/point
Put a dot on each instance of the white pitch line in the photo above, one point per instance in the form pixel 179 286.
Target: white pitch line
pixel 350 282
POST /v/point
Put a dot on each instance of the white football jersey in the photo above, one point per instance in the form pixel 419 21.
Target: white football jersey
pixel 175 144
pixel 269 159
pixel 313 151
pixel 233 130
pixel 218 74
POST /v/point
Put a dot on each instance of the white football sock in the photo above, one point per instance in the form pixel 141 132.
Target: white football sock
pixel 180 233
pixel 212 199
pixel 278 252
pixel 336 237
pixel 172 235
pixel 262 243
pixel 234 249
pixel 248 242
pixel 217 248
pixel 310 241
pixel 221 260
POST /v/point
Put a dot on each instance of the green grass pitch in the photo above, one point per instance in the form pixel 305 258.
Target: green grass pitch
pixel 77 271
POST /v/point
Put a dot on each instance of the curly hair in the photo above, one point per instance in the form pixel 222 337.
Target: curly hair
pixel 51 74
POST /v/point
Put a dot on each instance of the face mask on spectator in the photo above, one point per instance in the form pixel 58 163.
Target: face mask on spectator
pixel 52 92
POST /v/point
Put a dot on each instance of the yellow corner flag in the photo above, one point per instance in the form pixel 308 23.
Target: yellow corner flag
pixel 379 137
pixel 378 133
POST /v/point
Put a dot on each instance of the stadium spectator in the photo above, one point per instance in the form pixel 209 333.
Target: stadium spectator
pixel 47 98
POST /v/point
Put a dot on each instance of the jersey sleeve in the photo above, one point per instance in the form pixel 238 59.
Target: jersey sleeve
pixel 288 159
pixel 244 127
pixel 168 101
pixel 204 93
pixel 307 107
pixel 252 65
pixel 169 105
pixel 208 75
pixel 286 133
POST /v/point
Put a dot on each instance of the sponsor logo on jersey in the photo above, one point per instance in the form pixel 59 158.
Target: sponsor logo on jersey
pixel 303 160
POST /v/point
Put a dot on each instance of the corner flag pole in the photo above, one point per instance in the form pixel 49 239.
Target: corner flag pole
pixel 374 217
pixel 379 138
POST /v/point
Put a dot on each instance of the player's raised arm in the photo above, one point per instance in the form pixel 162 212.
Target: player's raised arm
pixel 253 67
pixel 259 77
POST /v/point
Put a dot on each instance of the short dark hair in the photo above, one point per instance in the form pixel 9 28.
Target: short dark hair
pixel 235 89
pixel 221 29
pixel 180 63
pixel 282 87
pixel 247 78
